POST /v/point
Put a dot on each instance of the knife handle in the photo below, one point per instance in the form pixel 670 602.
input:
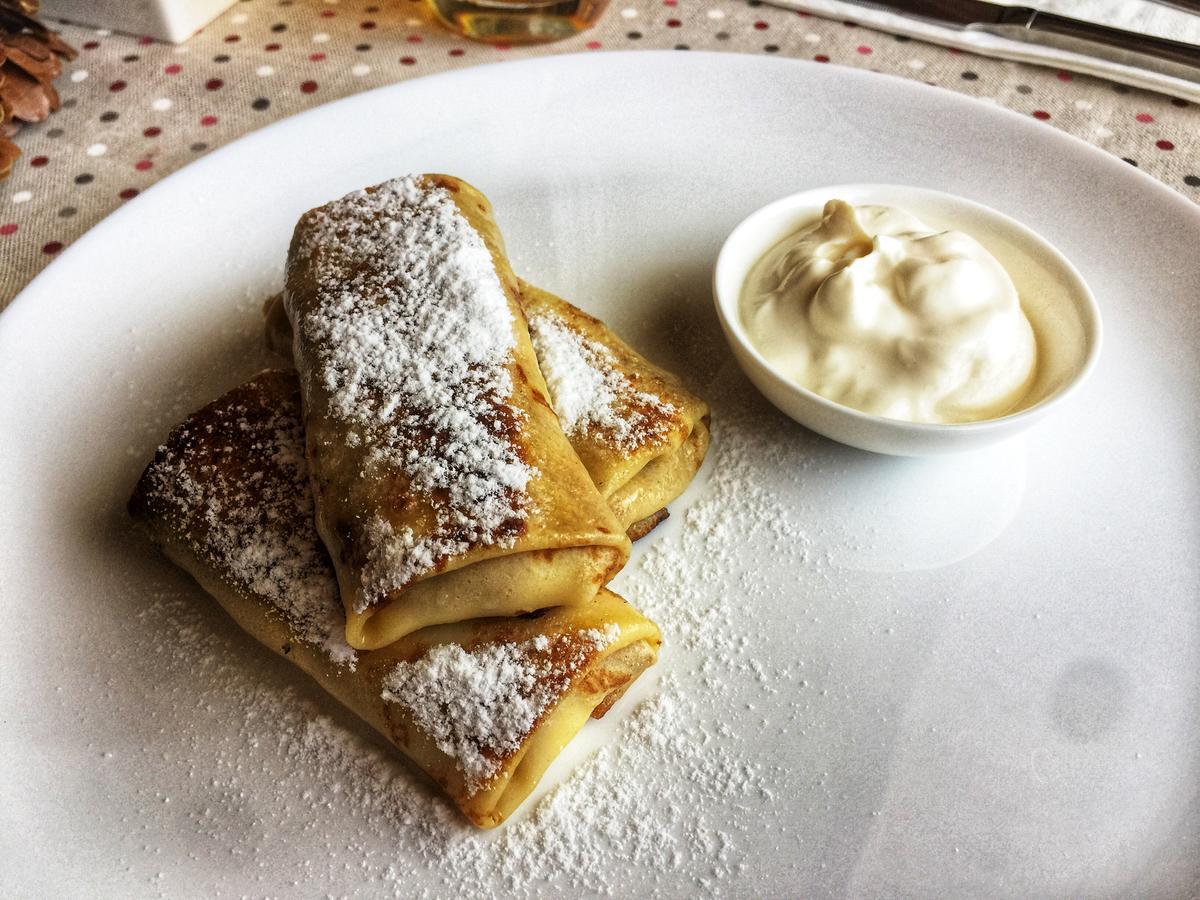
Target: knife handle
pixel 1135 47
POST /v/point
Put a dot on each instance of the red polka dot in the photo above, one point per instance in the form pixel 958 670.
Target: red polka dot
pixel 327 14
pixel 408 61
pixel 673 23
pixel 761 26
pixel 128 193
pixel 863 49
pixel 414 39
pixel 91 45
pixel 457 51
pixel 152 131
pixel 821 57
pixel 1164 145
pixel 593 45
pixel 499 46
pixel 1064 76
pixel 145 40
pixel 38 161
pixel 143 165
pixel 1144 117
pixel 366 26
pixel 214 84
pixel 308 87
pixel 208 120
pixel 6 230
pixel 232 38
pixel 1041 114
pixel 316 57
pixel 51 248
pixel 670 2
pixel 117 86
pixel 954 51
pixel 173 69
pixel 271 48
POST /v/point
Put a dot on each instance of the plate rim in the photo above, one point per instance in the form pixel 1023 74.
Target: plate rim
pixel 618 58
pixel 96 237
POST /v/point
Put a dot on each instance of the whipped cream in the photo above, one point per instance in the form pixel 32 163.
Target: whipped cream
pixel 873 309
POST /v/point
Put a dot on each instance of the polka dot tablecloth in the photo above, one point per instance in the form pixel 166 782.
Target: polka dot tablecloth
pixel 134 109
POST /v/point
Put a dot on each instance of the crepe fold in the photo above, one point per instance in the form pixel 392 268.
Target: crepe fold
pixel 481 706
pixel 444 486
pixel 639 432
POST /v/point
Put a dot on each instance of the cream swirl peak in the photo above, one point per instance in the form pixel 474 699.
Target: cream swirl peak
pixel 871 308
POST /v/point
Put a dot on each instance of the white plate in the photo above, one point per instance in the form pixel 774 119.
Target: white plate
pixel 971 676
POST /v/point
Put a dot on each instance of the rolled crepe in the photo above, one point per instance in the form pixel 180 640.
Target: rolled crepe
pixel 639 432
pixel 445 488
pixel 481 706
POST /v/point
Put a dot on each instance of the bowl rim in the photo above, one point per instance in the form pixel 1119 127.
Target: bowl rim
pixel 729 315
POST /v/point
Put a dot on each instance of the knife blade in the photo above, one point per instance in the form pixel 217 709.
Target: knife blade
pixel 1191 6
pixel 1022 23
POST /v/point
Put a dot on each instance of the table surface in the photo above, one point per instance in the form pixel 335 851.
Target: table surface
pixel 135 110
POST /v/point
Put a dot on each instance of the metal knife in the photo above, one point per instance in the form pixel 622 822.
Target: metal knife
pixel 1192 6
pixel 1031 26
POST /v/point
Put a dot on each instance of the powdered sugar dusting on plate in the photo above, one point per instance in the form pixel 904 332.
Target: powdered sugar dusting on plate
pixel 590 395
pixel 673 803
pixel 479 705
pixel 410 338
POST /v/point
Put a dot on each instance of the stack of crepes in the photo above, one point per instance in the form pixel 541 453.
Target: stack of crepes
pixel 423 515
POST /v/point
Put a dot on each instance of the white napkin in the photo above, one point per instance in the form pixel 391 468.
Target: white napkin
pixel 1130 15
pixel 168 20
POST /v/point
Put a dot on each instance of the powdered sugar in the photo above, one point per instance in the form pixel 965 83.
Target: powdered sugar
pixel 674 803
pixel 250 514
pixel 589 394
pixel 410 339
pixel 479 705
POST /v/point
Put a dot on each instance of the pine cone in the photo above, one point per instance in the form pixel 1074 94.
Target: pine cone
pixel 30 59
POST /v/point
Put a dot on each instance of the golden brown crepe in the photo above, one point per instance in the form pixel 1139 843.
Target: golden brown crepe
pixel 445 488
pixel 481 706
pixel 639 432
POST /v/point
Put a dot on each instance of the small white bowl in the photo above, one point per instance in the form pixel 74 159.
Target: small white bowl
pixel 1059 305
